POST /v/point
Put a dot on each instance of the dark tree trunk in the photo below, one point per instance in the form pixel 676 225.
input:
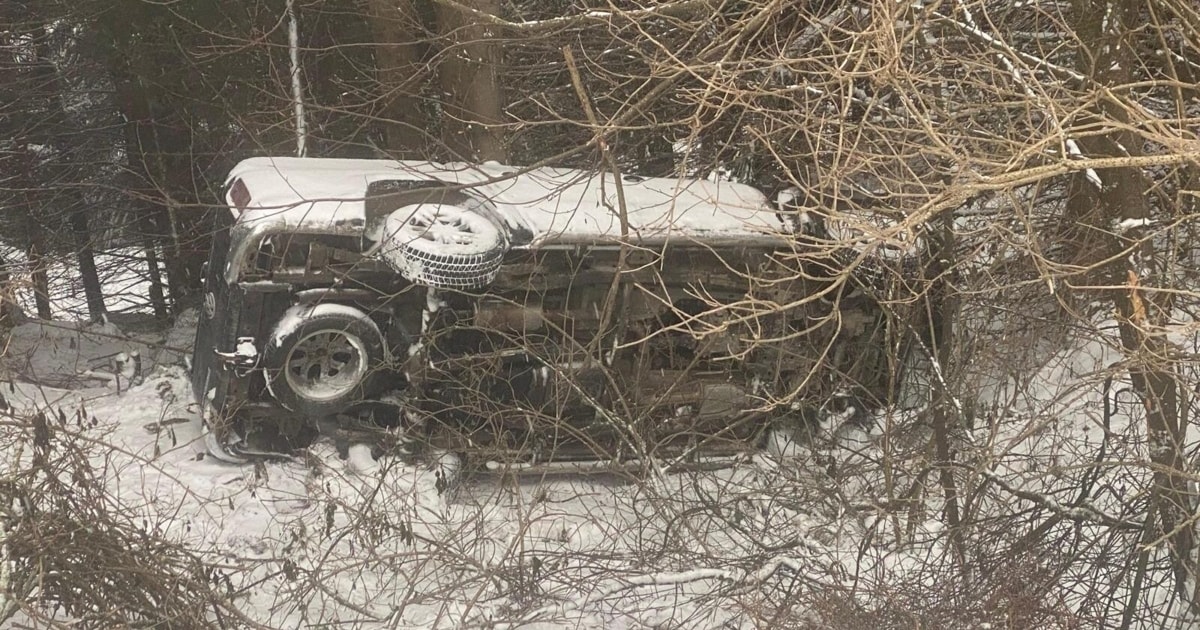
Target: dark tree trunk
pixel 40 278
pixel 947 415
pixel 158 299
pixel 139 143
pixel 1143 312
pixel 144 143
pixel 187 232
pixel 9 311
pixel 69 192
pixel 400 72
pixel 159 156
pixel 93 291
pixel 469 72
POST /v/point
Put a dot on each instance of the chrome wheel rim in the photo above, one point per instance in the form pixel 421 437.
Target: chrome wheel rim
pixel 326 364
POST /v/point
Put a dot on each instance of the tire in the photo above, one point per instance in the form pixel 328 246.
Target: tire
pixel 323 358
pixel 443 246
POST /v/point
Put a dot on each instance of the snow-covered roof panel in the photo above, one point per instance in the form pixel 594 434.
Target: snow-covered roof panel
pixel 552 204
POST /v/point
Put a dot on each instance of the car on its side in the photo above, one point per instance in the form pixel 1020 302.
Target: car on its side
pixel 522 316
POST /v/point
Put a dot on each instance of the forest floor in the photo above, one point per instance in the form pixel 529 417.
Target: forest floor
pixel 825 538
pixel 374 543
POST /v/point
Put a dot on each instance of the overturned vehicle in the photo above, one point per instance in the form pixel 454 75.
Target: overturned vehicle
pixel 532 317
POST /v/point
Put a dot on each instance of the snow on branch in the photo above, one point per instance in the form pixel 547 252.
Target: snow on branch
pixel 1125 225
pixel 974 31
pixel 1083 512
pixel 1074 152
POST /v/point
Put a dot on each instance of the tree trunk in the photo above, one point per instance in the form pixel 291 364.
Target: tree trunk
pixel 396 27
pixel 1122 194
pixel 85 256
pixel 158 299
pixel 41 280
pixel 10 312
pixel 160 157
pixel 145 145
pixel 177 274
pixel 947 414
pixel 470 78
pixel 76 205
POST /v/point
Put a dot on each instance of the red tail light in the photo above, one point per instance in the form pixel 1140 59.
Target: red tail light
pixel 239 195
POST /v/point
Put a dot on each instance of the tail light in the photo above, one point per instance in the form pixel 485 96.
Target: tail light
pixel 239 197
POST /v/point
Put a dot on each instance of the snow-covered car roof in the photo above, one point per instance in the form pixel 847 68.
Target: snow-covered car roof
pixel 553 205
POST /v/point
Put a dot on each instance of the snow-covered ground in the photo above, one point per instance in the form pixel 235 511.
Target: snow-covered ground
pixel 123 273
pixel 375 543
pixel 851 535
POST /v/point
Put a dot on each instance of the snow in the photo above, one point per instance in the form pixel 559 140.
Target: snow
pixel 1129 224
pixel 126 287
pixel 373 543
pixel 1091 174
pixel 360 461
pixel 374 540
pixel 68 353
pixel 555 205
pixel 298 315
pixel 454 231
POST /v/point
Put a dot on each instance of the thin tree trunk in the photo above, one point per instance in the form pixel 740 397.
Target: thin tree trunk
pixel 92 289
pixel 145 145
pixel 470 67
pixel 41 280
pixel 297 79
pixel 1123 194
pixel 76 204
pixel 158 299
pixel 9 310
pixel 176 269
pixel 947 416
pixel 77 207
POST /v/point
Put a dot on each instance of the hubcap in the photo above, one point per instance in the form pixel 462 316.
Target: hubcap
pixel 439 227
pixel 326 364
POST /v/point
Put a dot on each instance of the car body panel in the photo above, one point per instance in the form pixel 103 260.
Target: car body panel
pixel 554 205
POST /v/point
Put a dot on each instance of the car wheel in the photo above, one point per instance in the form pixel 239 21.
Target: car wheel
pixel 322 358
pixel 443 246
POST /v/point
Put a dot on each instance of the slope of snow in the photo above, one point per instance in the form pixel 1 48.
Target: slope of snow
pixel 374 544
pixel 371 540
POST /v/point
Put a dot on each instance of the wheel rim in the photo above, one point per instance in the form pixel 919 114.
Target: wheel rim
pixel 435 225
pixel 326 364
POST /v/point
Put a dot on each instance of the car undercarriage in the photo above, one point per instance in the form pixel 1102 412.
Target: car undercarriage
pixel 446 339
